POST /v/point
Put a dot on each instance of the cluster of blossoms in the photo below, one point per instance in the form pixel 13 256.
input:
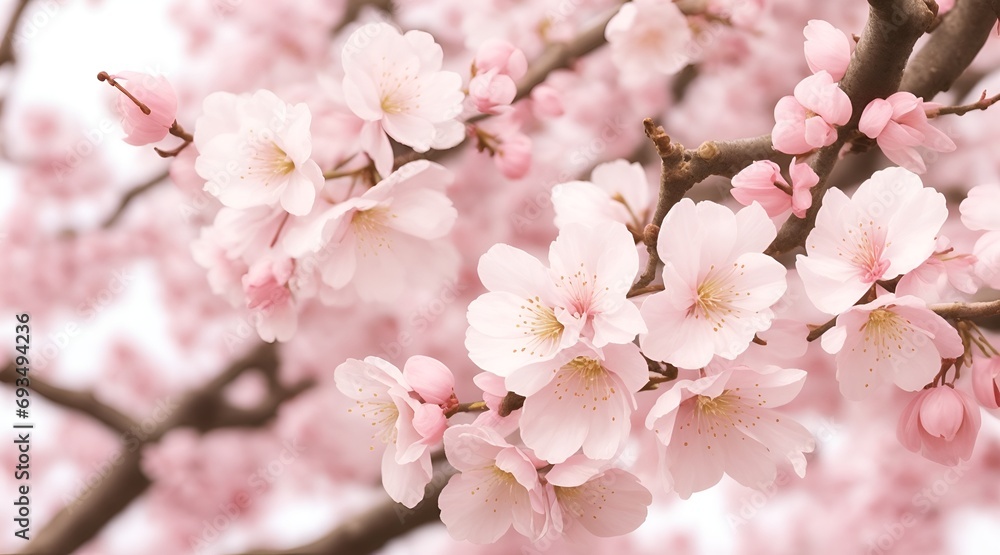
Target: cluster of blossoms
pixel 567 345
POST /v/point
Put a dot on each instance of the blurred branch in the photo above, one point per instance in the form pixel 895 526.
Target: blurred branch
pixel 80 401
pixel 131 195
pixel 7 44
pixel 85 517
pixel 370 530
pixel 354 8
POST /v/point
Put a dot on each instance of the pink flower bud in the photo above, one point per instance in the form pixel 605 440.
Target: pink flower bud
pixel 430 422
pixel 491 89
pixel 514 156
pixel 827 48
pixel 547 102
pixel 503 56
pixel 431 379
pixel 157 94
pixel 941 423
pixel 986 382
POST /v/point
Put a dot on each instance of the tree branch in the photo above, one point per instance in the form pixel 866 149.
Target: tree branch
pixel 875 71
pixel 367 532
pixel 7 44
pixel 80 401
pixel 968 311
pixel 131 195
pixel 951 48
pixel 79 522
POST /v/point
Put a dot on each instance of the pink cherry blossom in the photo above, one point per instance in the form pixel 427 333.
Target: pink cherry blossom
pixel 941 423
pixel 723 423
pixel 547 102
pixel 394 82
pixel 763 183
pixel 718 284
pixel 158 95
pixel 398 418
pixel 531 313
pixel 827 48
pixel 807 120
pixel 430 379
pixel 586 497
pixel 986 381
pixel 497 487
pixel 892 338
pixel 944 275
pixel 268 295
pixel 648 37
pixel 980 208
pixel 580 399
pixel 490 90
pixel 899 124
pixel 502 56
pixel 618 191
pixel 885 230
pixel 254 150
pixel 391 236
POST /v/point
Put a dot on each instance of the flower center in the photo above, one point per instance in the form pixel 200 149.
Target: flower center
pixel 382 416
pixel 540 325
pixel 716 407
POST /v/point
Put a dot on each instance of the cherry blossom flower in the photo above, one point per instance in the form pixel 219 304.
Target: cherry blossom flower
pixel 941 423
pixel 618 191
pixel 495 71
pixel 979 212
pixel 723 423
pixel 885 230
pixel 269 296
pixel 394 82
pixel 254 150
pixel 158 95
pixel 399 418
pixel 898 124
pixel 944 274
pixel 387 238
pixel 806 121
pixel 586 496
pixel 827 48
pixel 648 37
pixel 762 182
pixel 892 338
pixel 497 487
pixel 718 284
pixel 531 313
pixel 580 399
pixel 986 381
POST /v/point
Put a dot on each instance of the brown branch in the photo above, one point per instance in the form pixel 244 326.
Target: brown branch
pixel 131 195
pixel 983 103
pixel 951 48
pixel 875 71
pixel 79 522
pixel 353 10
pixel 681 169
pixel 561 55
pixel 968 311
pixel 80 401
pixel 369 531
pixel 7 44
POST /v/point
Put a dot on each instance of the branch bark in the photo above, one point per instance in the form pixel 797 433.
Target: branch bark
pixel 80 401
pixel 368 531
pixel 204 410
pixel 131 195
pixel 7 44
pixel 875 71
